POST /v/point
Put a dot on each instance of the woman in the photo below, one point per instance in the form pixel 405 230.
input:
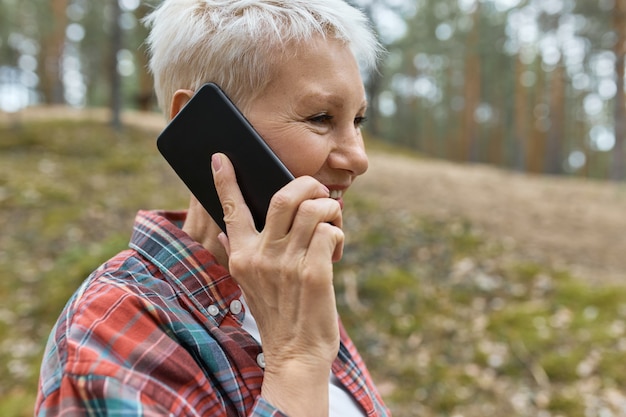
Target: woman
pixel 189 321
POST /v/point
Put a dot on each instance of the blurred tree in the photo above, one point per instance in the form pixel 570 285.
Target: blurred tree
pixel 95 20
pixel 555 148
pixel 524 86
pixel 7 15
pixel 538 112
pixel 495 146
pixel 468 141
pixel 144 96
pixel 521 119
pixel 52 23
pixel 618 166
pixel 115 45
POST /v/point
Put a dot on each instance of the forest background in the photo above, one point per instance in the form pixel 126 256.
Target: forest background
pixel 532 85
pixel 492 284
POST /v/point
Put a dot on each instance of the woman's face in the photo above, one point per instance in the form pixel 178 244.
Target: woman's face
pixel 310 114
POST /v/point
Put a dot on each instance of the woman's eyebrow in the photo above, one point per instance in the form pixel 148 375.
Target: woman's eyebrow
pixel 335 100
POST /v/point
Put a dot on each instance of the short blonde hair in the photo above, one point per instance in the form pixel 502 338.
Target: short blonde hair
pixel 234 43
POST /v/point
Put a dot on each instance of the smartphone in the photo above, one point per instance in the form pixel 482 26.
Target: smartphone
pixel 210 123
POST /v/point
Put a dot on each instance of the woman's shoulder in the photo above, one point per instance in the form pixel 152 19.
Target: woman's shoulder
pixel 123 310
pixel 123 290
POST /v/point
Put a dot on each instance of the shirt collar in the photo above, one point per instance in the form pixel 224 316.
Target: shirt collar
pixel 185 264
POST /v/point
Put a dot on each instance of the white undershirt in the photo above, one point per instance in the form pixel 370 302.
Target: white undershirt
pixel 341 404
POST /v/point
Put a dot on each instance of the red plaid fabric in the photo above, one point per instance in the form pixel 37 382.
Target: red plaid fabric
pixel 150 333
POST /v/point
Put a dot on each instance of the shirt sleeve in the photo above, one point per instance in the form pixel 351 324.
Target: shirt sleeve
pixel 264 409
pixel 105 396
pixel 99 396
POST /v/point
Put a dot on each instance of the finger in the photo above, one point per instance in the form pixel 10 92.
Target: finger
pixel 223 239
pixel 310 214
pixel 236 213
pixel 326 243
pixel 285 204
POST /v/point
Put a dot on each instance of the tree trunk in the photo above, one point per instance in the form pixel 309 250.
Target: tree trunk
pixel 114 75
pixel 495 149
pixel 536 144
pixel 554 163
pixel 618 168
pixel 144 97
pixel 373 86
pixel 520 122
pixel 52 42
pixel 472 85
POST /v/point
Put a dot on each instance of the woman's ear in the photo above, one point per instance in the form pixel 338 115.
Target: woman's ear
pixel 181 97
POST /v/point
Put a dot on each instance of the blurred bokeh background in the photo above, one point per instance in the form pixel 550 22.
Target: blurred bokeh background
pixel 532 85
pixel 483 273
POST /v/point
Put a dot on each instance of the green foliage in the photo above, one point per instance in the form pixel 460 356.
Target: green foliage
pixel 18 404
pixel 567 405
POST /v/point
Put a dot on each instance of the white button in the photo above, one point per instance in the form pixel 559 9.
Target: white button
pixel 235 307
pixel 260 359
pixel 213 310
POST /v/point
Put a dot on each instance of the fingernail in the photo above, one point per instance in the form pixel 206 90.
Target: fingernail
pixel 216 162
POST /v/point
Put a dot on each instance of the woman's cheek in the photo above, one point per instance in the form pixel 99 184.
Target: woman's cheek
pixel 300 156
pixel 306 161
pixel 303 151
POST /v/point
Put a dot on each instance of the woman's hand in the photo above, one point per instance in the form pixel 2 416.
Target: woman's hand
pixel 286 274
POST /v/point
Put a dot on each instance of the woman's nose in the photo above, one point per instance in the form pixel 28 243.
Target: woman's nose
pixel 349 152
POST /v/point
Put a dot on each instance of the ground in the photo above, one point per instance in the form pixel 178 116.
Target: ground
pixel 578 223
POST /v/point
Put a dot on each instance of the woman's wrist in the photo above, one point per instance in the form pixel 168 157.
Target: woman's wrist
pixel 298 389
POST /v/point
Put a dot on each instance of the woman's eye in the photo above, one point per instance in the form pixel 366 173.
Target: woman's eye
pixel 320 118
pixel 360 121
pixel 323 119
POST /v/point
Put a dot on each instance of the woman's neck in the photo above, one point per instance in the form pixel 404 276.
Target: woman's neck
pixel 201 228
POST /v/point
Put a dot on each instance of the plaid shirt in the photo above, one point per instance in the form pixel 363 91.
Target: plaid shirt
pixel 157 331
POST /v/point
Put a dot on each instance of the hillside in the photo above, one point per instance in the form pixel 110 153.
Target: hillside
pixel 572 222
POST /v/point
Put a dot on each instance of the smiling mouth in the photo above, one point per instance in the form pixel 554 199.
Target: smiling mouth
pixel 336 194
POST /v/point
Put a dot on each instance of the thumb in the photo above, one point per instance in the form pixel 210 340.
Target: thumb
pixel 237 216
